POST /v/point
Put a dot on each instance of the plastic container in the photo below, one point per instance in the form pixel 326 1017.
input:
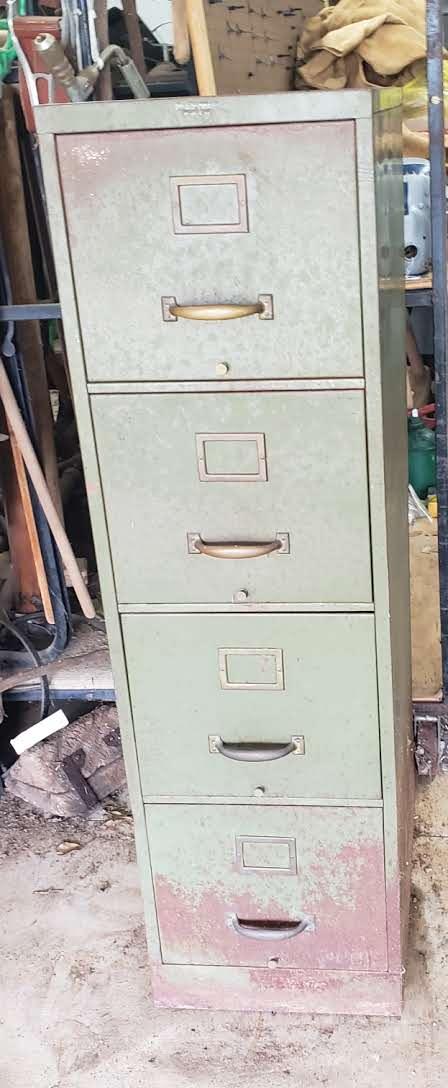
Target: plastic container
pixel 421 455
pixel 432 503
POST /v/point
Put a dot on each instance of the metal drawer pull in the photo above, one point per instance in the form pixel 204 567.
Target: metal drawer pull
pixel 237 551
pixel 221 311
pixel 271 931
pixel 243 550
pixel 248 752
pixel 217 311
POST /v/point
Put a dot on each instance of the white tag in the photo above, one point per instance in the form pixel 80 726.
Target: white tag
pixel 39 731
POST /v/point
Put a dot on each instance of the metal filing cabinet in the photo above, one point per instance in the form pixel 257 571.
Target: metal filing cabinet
pixel 230 277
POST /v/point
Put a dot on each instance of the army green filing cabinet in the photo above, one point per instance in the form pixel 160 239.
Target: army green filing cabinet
pixel 230 278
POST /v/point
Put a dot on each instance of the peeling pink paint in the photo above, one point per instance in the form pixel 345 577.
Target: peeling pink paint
pixel 349 911
pixel 251 990
pixel 393 897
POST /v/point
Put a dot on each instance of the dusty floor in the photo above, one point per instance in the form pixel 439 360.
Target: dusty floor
pixel 75 1004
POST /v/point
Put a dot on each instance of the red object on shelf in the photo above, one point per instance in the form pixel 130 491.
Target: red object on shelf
pixel 27 28
pixel 427 414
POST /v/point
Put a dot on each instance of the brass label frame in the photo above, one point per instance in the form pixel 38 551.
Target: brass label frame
pixel 259 840
pixel 237 180
pixel 230 685
pixel 258 438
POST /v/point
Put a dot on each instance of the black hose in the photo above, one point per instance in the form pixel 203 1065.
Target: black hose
pixel 14 630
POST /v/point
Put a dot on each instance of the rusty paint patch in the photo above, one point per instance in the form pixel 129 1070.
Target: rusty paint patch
pixel 348 905
pixel 250 990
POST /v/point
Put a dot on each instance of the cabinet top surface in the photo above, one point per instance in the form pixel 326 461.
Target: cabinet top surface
pixel 234 110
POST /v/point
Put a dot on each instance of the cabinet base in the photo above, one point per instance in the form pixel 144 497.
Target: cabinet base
pixel 259 989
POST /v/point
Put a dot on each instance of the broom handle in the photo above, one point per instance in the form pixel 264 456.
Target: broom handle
pixel 200 47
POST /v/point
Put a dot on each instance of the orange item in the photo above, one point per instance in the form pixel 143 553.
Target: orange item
pixel 27 28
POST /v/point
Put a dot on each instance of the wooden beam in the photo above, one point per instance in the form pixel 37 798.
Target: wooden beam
pixel 103 89
pixel 33 537
pixel 134 36
pixel 26 582
pixel 16 241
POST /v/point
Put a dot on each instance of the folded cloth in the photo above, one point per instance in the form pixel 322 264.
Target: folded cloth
pixel 362 43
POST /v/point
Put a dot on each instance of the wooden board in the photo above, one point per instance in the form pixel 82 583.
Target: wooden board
pixel 254 46
pixel 419 283
pixel 425 610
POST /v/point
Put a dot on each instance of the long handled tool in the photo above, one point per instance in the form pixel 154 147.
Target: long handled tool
pixel 200 47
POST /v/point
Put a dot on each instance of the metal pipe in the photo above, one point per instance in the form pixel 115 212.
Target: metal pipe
pixel 114 54
pixel 77 87
pixel 434 30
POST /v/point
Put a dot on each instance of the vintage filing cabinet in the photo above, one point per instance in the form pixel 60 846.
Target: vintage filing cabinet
pixel 230 277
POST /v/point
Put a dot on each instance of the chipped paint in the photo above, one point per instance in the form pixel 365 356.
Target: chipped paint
pixel 342 889
pixel 232 988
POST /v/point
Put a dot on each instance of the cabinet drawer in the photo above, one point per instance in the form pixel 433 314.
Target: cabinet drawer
pixel 215 216
pixel 293 887
pixel 211 693
pixel 285 471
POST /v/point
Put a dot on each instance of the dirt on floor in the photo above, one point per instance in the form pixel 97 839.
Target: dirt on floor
pixel 75 995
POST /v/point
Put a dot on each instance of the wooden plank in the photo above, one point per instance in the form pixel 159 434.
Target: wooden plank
pixel 16 240
pixel 425 611
pixel 134 35
pixel 22 559
pixel 33 537
pixel 103 89
pixel 254 45
pixel 419 283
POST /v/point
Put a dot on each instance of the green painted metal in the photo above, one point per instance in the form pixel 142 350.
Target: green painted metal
pixel 316 330
pixel 190 862
pixel 179 700
pixel 316 491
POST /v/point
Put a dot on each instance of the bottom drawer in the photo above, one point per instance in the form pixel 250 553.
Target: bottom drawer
pixel 247 886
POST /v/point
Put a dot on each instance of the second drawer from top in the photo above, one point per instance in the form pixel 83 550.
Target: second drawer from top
pixel 235 497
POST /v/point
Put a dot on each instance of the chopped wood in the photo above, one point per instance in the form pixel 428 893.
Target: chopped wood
pixel 61 775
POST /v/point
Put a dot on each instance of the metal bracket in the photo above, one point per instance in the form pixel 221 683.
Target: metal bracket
pixel 73 765
pixel 167 301
pixel 34 311
pixel 427 745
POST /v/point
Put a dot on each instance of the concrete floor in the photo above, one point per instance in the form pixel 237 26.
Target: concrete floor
pixel 75 1002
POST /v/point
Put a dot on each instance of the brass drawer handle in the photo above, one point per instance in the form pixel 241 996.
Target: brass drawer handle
pixel 240 550
pixel 237 551
pixel 217 311
pixel 220 311
pixel 248 752
pixel 271 931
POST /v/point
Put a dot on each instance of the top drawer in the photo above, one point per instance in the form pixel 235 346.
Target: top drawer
pixel 215 216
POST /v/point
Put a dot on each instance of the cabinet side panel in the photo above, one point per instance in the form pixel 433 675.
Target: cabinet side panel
pixel 381 238
pixel 72 335
pixel 389 205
